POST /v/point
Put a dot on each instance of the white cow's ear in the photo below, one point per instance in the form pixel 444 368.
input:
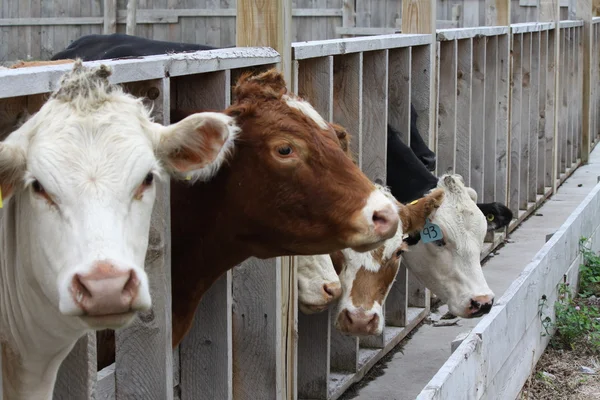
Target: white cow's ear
pixel 196 147
pixel 472 194
pixel 13 164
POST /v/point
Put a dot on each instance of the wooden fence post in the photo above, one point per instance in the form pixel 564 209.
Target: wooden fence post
pixel 550 12
pixel 131 17
pixel 268 23
pixel 110 16
pixel 583 11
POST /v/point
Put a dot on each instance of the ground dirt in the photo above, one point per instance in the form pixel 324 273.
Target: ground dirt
pixel 559 374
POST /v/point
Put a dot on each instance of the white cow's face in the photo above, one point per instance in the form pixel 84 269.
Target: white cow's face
pixel 451 267
pixel 318 283
pixel 82 174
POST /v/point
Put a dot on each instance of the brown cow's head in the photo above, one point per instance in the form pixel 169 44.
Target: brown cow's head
pixel 367 278
pixel 296 191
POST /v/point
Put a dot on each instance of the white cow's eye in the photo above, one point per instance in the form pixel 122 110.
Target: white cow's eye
pixel 149 179
pixel 37 187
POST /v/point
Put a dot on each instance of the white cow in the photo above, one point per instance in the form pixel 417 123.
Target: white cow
pixel 450 266
pixel 318 283
pixel 78 186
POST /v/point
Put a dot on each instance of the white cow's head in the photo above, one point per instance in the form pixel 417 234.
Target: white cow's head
pixel 366 278
pixel 79 181
pixel 451 267
pixel 318 283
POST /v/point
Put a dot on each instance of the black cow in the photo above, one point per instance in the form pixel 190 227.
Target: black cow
pixel 408 180
pixel 417 144
pixel 118 45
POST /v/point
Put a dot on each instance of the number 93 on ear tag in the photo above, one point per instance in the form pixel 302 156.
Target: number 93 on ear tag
pixel 431 232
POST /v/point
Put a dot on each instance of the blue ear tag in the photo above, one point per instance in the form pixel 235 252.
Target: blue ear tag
pixel 431 232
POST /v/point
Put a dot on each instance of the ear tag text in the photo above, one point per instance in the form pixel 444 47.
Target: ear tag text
pixel 431 232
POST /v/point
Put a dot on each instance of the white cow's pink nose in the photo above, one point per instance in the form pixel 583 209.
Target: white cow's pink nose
pixel 105 290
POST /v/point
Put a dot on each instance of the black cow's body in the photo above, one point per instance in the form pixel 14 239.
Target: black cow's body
pixel 417 144
pixel 409 179
pixel 118 45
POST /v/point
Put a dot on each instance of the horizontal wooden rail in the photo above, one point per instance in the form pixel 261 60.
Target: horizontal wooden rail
pixel 465 33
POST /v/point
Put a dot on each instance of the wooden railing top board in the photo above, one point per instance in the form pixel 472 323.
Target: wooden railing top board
pixel 44 79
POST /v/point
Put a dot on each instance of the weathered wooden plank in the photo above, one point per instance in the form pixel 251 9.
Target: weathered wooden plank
pixel 503 142
pixel 315 84
pixel 446 134
pixel 333 47
pixel 525 120
pixel 77 374
pixel 544 112
pixel 140 373
pixel 530 27
pixel 491 93
pixel 396 304
pixel 374 114
pixel 313 355
pixel 418 294
pixel 470 32
pixel 131 17
pixel 464 85
pixel 255 317
pixel 35 80
pixel 563 120
pixel 516 126
pixel 423 97
pixel 534 119
pixel 476 110
pixel 110 16
pixel 571 97
pixel 418 16
pixel 347 98
pixel 399 91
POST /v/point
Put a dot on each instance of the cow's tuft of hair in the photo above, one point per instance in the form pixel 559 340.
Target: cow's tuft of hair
pixel 85 88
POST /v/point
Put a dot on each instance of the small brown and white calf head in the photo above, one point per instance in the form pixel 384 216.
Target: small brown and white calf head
pixel 451 266
pixel 78 181
pixel 366 278
pixel 318 283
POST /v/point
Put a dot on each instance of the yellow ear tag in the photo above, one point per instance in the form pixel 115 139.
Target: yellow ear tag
pixel 188 178
pixel 490 217
pixel 414 202
pixel 0 197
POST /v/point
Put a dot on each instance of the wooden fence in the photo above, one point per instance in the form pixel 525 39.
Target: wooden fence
pixel 37 29
pixel 491 122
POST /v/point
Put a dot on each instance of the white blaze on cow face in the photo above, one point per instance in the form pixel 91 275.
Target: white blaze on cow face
pixel 318 283
pixel 451 268
pixel 79 183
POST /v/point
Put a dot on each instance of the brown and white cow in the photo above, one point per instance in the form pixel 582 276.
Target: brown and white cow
pixel 287 189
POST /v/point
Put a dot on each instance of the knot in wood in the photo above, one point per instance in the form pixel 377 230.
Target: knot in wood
pixel 153 93
pixel 146 316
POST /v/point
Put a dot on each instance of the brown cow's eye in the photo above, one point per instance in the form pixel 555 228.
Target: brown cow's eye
pixel 37 187
pixel 285 150
pixel 149 179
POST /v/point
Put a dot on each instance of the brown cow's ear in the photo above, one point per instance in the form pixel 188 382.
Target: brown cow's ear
pixel 196 147
pixel 12 169
pixel 415 214
pixel 344 138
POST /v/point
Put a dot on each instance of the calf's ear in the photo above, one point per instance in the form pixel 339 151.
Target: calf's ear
pixel 344 138
pixel 196 147
pixel 415 214
pixel 12 169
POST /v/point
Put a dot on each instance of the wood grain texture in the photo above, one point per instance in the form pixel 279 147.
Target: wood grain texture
pixel 524 168
pixel 464 87
pixel 313 355
pixel 418 294
pixel 423 97
pixel 564 117
pixel 256 318
pixel 571 96
pixel 585 12
pixel 446 133
pixel 551 108
pixel 503 115
pixel 396 305
pixel 534 118
pixel 516 136
pixel 315 84
pixel 140 373
pixel 543 113
pixel 77 374
pixel 375 108
pixel 478 117
pixel 347 98
pixel 343 351
pixel 110 16
pixel 399 91
pixel 418 16
pixel 490 120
